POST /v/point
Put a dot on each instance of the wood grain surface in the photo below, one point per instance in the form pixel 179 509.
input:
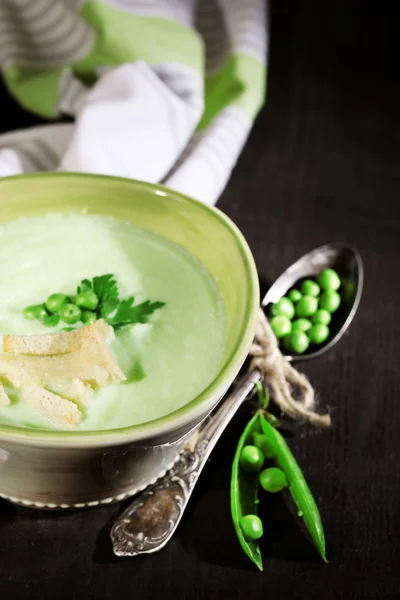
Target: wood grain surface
pixel 322 164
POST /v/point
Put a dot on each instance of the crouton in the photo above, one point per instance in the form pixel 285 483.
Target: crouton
pixel 70 374
pixel 60 412
pixel 72 389
pixel 54 369
pixel 62 342
pixel 93 365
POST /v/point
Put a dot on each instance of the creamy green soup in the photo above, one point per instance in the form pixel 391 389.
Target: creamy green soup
pixel 167 361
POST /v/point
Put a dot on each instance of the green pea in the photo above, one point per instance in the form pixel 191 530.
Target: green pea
pixel 328 279
pixel 55 302
pixel 329 301
pixel 273 480
pixel 284 307
pixel 87 300
pixel 252 527
pixel 309 288
pixel 251 459
pixel 318 333
pixel 321 316
pixel 88 317
pixel 261 442
pixel 51 320
pixel 294 295
pixel 301 324
pixel 287 342
pixel 70 313
pixel 306 306
pixel 281 326
pixel 299 341
pixel 35 311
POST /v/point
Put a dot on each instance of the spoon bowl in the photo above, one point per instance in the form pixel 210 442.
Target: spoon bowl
pixel 346 261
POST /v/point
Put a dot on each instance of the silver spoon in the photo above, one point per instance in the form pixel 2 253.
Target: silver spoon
pixel 152 518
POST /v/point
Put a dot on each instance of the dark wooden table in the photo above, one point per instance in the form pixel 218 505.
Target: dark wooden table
pixel 322 164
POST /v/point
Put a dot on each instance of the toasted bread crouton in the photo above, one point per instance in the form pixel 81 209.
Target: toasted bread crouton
pixel 94 350
pixel 93 364
pixel 4 399
pixel 62 342
pixel 73 389
pixel 60 412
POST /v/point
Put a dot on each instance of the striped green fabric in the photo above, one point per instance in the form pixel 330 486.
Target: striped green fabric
pixel 39 40
pixel 239 82
pixel 122 38
pixel 36 89
pixel 210 55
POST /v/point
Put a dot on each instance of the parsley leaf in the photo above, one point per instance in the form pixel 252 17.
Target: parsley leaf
pixel 105 287
pixel 84 286
pixel 127 313
pixel 107 308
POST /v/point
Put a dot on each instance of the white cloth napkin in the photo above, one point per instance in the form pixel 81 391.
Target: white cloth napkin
pixel 161 91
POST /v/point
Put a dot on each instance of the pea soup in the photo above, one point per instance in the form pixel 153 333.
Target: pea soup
pixel 167 361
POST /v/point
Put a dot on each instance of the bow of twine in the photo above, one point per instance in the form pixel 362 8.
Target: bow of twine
pixel 283 379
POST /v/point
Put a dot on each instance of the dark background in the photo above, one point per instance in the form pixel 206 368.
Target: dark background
pixel 322 164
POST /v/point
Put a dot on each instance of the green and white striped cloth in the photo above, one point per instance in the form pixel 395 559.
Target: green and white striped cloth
pixel 160 90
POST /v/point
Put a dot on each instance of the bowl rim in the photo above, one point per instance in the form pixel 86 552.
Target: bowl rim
pixel 198 406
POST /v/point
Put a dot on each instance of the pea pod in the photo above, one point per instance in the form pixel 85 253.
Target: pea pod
pixel 298 487
pixel 244 488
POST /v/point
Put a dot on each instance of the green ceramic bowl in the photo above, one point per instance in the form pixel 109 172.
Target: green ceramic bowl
pixel 125 460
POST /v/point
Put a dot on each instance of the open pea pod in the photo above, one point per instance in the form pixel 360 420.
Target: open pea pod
pixel 244 487
pixel 298 487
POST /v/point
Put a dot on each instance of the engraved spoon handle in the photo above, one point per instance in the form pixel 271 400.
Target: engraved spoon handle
pixel 150 521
